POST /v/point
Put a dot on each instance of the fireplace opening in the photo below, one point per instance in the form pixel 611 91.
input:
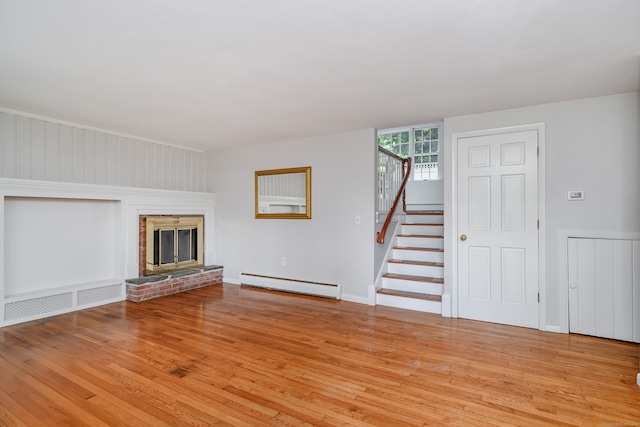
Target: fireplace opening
pixel 173 243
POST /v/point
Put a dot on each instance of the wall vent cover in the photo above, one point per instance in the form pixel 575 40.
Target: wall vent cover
pixel 95 295
pixel 38 306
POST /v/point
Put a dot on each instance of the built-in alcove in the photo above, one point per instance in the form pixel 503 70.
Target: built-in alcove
pixel 60 254
pixel 52 243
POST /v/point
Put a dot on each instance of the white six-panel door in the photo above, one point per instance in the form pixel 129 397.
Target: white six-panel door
pixel 498 228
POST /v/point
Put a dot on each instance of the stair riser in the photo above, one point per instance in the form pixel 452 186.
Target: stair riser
pixel 409 255
pixel 421 242
pixel 416 270
pixel 409 304
pixel 413 286
pixel 425 219
pixel 423 230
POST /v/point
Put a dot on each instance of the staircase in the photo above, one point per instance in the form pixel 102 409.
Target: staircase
pixel 414 278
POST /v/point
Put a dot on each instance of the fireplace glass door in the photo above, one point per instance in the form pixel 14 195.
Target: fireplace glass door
pixel 175 246
pixel 173 243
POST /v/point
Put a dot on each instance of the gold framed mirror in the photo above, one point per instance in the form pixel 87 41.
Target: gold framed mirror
pixel 283 193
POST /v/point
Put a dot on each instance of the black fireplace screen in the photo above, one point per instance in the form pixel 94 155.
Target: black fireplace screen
pixel 172 246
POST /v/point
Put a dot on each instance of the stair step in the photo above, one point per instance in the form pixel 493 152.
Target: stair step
pixel 424 212
pixel 414 278
pixel 422 229
pixel 418 240
pixel 406 294
pixel 424 218
pixel 422 268
pixel 410 253
pixel 406 300
pixel 402 281
pixel 421 263
pixel 415 248
pixel 428 224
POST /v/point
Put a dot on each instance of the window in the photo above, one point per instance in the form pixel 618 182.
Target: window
pixel 422 143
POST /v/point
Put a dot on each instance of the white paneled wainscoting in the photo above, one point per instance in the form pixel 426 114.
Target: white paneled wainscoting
pixel 67 246
pixel 45 149
pixel 604 287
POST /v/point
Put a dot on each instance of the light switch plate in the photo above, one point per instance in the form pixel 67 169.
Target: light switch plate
pixel 575 195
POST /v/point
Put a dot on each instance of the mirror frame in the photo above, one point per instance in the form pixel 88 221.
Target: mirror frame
pixel 307 214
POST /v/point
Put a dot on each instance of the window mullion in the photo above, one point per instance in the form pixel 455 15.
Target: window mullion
pixel 412 153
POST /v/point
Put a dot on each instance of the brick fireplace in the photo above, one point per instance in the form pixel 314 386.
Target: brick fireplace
pixel 168 280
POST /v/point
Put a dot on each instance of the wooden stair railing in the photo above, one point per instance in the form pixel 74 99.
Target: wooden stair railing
pixel 406 167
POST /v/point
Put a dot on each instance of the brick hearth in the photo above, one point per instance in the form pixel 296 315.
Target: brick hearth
pixel 148 287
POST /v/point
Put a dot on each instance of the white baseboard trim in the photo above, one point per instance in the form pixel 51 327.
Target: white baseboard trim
pixel 554 328
pixel 227 279
pixel 446 305
pixel 355 298
pixel 371 298
pixel 327 290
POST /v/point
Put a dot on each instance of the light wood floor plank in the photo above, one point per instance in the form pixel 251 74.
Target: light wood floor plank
pixel 227 355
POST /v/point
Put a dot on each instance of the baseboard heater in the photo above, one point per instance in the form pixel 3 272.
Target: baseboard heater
pixel 326 290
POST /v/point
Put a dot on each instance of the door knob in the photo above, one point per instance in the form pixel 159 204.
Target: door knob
pixel 463 237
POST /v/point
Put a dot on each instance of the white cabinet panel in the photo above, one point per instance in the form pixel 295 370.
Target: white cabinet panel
pixel 479 156
pixel 513 208
pixel 604 288
pixel 480 203
pixel 603 300
pixel 512 153
pixel 623 290
pixel 480 270
pixel 513 264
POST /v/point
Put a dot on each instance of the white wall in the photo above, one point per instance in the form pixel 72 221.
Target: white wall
pixel 591 145
pixel 44 149
pixel 425 195
pixel 330 247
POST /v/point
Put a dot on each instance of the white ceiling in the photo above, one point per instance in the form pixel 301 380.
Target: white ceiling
pixel 209 74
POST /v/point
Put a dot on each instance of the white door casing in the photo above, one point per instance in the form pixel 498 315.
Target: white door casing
pixel 497 198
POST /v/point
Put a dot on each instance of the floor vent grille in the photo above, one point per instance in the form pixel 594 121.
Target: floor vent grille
pixel 95 295
pixel 38 306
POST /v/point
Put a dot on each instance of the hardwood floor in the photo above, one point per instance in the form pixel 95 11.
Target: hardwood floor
pixel 226 355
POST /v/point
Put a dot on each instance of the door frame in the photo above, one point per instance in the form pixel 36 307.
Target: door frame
pixel 451 215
